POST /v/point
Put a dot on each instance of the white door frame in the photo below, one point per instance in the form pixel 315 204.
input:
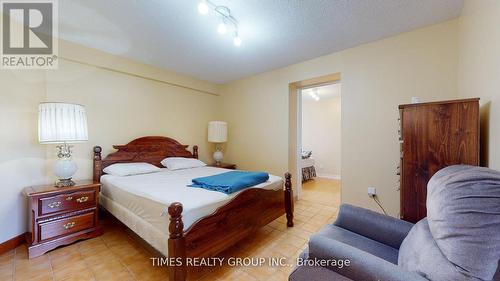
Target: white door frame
pixel 295 124
pixel 298 148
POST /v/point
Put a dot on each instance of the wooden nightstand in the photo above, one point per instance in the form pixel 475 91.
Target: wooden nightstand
pixel 60 216
pixel 224 165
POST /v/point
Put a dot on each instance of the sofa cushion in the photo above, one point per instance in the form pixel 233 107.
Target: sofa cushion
pixel 365 244
pixel 419 253
pixel 305 272
pixel 463 212
pixel 362 265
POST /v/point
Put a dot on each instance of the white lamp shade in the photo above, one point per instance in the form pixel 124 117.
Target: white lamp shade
pixel 62 122
pixel 217 131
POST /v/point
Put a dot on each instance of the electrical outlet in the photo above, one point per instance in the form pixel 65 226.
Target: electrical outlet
pixel 372 191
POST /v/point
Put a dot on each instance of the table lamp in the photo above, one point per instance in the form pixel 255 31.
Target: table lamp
pixel 217 133
pixel 62 123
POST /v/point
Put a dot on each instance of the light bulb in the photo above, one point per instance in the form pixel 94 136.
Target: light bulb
pixel 314 96
pixel 222 28
pixel 203 8
pixel 237 41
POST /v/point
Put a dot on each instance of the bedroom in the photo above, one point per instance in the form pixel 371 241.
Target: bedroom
pixel 160 68
pixel 320 142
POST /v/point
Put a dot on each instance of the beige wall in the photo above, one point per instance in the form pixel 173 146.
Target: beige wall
pixel 321 134
pixel 479 70
pixel 376 77
pixel 120 107
pixel 22 159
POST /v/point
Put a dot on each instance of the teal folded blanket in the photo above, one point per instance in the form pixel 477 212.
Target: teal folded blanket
pixel 231 181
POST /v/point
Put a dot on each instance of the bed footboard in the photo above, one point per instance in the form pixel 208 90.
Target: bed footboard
pixel 250 210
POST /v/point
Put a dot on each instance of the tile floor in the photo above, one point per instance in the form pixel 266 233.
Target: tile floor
pixel 322 191
pixel 116 256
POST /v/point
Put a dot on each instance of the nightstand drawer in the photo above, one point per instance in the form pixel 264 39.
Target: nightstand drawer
pixel 66 226
pixel 67 202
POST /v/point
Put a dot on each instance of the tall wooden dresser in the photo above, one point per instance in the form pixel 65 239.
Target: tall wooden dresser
pixel 433 136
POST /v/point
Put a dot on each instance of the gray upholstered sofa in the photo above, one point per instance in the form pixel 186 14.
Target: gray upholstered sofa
pixel 459 239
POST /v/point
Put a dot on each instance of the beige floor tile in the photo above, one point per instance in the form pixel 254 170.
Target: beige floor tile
pixel 141 267
pixel 7 264
pixel 208 277
pixel 6 273
pixel 111 270
pixel 311 227
pixel 225 273
pixel 68 260
pixel 6 257
pixel 100 258
pixel 35 273
pixel 62 251
pixel 88 250
pixel 32 267
pixel 244 276
pixel 130 258
pixel 78 271
pixel 113 275
pixel 84 277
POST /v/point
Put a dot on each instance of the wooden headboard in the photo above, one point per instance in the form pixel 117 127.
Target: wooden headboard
pixel 146 149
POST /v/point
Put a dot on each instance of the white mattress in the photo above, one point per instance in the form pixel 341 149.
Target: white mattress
pixel 307 162
pixel 148 196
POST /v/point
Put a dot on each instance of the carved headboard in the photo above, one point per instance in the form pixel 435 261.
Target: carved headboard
pixel 146 149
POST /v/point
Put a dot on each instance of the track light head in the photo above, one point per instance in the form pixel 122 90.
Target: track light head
pixel 222 28
pixel 237 40
pixel 203 8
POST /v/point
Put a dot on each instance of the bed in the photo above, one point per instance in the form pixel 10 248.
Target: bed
pixel 182 222
pixel 308 169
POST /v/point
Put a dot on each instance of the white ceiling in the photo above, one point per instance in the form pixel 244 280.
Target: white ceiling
pixel 172 35
pixel 323 92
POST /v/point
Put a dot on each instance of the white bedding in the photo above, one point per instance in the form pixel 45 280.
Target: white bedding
pixel 148 196
pixel 308 162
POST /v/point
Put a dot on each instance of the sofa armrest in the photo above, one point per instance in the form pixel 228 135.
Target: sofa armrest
pixel 362 265
pixel 378 227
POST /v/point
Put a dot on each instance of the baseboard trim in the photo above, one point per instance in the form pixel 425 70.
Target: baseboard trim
pixel 12 243
pixel 327 176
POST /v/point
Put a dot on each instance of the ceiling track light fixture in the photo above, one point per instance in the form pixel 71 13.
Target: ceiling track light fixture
pixel 227 20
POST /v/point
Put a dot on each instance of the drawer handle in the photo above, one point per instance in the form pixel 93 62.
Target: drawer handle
pixel 54 205
pixel 82 199
pixel 69 198
pixel 69 225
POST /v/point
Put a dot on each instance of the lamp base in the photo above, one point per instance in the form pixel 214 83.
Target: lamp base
pixel 64 168
pixel 218 157
pixel 64 183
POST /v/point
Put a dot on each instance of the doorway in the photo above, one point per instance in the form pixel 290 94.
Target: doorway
pixel 320 143
pixel 318 175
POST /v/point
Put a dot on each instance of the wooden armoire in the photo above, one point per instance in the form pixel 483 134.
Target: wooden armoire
pixel 434 135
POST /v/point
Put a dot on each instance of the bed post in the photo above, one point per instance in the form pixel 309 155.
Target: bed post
pixel 97 163
pixel 176 243
pixel 288 200
pixel 195 151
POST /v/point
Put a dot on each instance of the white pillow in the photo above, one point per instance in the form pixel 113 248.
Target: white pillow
pixel 178 163
pixel 130 169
